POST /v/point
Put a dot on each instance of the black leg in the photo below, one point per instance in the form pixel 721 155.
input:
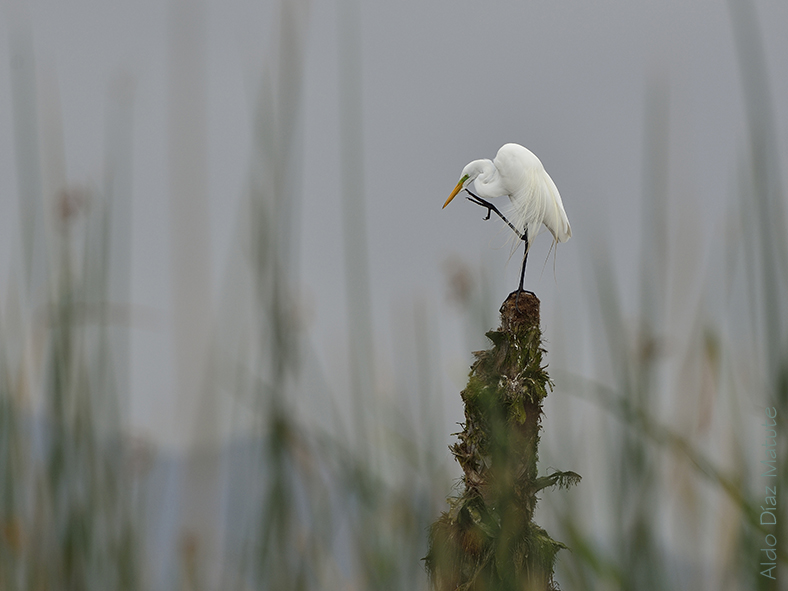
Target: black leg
pixel 522 235
pixel 490 208
pixel 522 272
pixel 525 260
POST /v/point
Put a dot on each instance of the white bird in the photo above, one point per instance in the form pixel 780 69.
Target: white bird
pixel 518 173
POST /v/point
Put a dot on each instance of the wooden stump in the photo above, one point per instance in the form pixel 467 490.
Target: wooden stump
pixel 487 539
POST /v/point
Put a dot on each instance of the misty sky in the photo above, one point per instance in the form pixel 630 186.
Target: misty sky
pixel 444 83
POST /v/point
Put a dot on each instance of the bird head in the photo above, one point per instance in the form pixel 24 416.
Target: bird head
pixel 469 174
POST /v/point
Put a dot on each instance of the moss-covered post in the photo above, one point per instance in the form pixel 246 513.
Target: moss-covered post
pixel 487 540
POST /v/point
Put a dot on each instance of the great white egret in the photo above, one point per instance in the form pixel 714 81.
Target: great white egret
pixel 518 173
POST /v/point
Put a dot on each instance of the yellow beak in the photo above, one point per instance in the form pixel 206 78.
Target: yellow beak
pixel 457 189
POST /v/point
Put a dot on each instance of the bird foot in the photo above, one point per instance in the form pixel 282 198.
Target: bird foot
pixel 517 297
pixel 482 202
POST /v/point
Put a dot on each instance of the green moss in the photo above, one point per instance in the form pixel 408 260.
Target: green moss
pixel 487 539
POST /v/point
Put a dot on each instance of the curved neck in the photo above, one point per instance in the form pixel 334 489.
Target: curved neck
pixel 487 181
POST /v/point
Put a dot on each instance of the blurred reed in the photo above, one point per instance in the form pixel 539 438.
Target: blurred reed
pixel 679 502
pixel 334 495
pixel 68 499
